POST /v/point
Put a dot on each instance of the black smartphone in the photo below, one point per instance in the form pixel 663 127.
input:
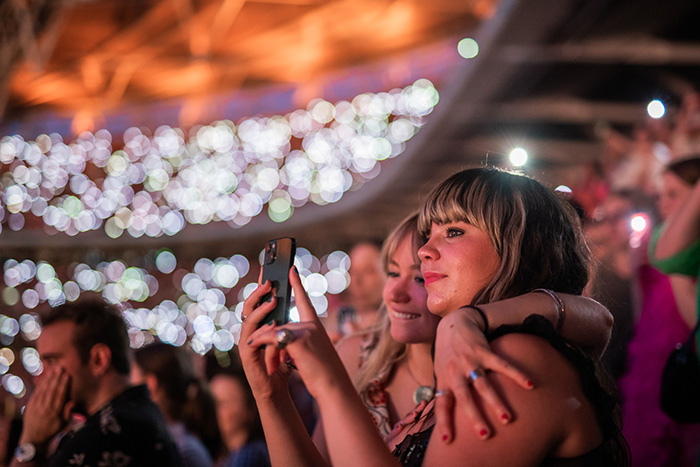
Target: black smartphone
pixel 278 259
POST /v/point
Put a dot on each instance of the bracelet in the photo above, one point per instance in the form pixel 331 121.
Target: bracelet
pixel 483 316
pixel 559 303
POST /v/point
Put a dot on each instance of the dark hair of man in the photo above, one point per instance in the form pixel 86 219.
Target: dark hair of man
pixel 96 322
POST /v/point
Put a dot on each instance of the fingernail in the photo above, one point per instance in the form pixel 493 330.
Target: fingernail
pixel 445 438
pixel 249 342
pixel 483 433
pixel 296 270
pixel 505 417
pixel 530 384
pixel 271 323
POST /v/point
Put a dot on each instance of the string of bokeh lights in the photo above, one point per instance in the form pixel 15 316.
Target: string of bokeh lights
pixel 227 172
pixel 157 183
pixel 206 314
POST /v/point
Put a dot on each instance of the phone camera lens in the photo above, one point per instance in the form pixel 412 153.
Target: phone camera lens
pixel 270 253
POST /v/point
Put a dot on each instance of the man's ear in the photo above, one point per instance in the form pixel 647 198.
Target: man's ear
pixel 100 359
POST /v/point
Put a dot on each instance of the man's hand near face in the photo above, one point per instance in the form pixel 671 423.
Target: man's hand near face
pixel 47 411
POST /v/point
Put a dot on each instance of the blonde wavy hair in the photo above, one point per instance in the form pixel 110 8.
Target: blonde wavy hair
pixel 385 351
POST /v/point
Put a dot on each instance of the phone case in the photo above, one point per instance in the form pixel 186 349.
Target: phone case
pixel 278 259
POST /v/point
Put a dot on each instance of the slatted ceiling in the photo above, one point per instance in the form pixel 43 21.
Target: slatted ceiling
pixel 162 49
pixel 550 74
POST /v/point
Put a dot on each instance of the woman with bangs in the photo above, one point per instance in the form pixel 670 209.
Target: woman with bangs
pixel 491 236
pixel 391 365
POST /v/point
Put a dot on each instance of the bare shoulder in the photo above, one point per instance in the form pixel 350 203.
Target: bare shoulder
pixel 349 350
pixel 551 372
pixel 555 419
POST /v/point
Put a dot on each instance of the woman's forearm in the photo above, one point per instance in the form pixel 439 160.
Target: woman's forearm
pixel 351 436
pixel 288 442
pixel 587 323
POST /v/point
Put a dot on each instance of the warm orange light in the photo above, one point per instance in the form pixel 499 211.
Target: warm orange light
pixel 84 120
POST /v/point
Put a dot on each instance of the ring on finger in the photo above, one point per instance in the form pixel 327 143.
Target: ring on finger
pixel 284 337
pixel 243 318
pixel 475 374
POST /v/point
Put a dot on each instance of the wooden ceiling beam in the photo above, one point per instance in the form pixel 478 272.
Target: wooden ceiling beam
pixel 568 110
pixel 632 49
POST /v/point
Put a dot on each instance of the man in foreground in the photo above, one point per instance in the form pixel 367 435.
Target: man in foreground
pixel 84 347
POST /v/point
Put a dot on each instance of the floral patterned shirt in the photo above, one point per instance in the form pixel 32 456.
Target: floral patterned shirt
pixel 128 431
pixel 376 398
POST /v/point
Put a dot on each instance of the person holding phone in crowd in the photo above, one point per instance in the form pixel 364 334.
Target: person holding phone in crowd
pixel 491 235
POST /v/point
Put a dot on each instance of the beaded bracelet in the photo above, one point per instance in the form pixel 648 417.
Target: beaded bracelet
pixel 483 316
pixel 561 310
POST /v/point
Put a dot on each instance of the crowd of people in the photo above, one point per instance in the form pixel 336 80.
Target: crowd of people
pixel 484 331
pixel 649 180
pixel 97 402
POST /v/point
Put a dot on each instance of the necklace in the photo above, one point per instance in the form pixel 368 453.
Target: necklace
pixel 424 392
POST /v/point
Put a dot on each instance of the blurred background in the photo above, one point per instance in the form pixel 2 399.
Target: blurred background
pixel 148 148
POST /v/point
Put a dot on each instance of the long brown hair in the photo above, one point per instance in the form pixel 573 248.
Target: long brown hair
pixel 686 168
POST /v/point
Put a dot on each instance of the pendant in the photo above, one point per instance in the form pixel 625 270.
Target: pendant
pixel 423 393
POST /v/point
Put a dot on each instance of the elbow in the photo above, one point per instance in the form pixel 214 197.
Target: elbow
pixel 608 320
pixel 604 326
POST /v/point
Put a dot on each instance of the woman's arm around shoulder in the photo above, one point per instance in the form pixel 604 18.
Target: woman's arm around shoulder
pixel 555 420
pixel 585 322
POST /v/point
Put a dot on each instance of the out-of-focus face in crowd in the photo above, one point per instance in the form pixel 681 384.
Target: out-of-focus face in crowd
pixel 232 410
pixel 366 276
pixel 673 191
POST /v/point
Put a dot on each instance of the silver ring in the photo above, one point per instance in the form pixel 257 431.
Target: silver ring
pixel 475 374
pixel 284 337
pixel 443 393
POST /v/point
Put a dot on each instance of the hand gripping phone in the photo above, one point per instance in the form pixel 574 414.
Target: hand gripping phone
pixel 278 259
